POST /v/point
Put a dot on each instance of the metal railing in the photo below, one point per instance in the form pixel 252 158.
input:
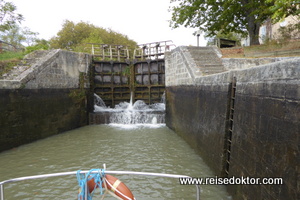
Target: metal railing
pixel 85 172
pixel 153 50
pixel 110 52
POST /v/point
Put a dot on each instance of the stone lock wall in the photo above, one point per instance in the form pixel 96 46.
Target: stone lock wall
pixel 198 114
pixel 265 141
pixel 47 98
pixel 265 129
pixel 29 115
pixel 49 69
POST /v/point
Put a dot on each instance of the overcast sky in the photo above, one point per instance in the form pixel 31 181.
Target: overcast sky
pixel 144 21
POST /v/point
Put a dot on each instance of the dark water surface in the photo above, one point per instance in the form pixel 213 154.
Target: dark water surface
pixel 146 148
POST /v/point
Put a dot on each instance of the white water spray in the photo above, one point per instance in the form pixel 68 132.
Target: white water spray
pixel 133 113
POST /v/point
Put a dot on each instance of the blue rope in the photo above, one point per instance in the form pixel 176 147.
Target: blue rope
pixel 84 178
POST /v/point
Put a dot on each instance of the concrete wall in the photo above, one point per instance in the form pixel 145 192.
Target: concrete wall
pixel 266 121
pixel 44 97
pixel 29 115
pixel 266 135
pixel 198 114
pixel 50 69
pixel 245 63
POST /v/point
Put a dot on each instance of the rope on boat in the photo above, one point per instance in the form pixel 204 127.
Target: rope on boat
pixel 2 183
pixel 84 178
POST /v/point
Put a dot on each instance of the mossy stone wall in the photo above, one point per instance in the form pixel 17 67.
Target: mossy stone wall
pixel 31 114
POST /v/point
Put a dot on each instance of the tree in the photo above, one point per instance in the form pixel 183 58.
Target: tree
pixel 94 37
pixel 8 15
pixel 30 36
pixel 18 36
pixel 13 36
pixel 284 8
pixel 73 36
pixel 212 16
pixel 39 44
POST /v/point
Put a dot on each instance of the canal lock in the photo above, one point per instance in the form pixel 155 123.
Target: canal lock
pixel 117 77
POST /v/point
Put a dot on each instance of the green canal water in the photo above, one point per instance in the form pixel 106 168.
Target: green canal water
pixel 142 148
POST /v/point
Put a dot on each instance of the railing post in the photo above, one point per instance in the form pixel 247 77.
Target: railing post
pixel 86 189
pixel 1 192
pixel 110 52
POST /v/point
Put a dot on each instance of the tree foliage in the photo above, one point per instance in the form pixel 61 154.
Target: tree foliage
pixel 287 33
pixel 73 36
pixel 30 36
pixel 212 16
pixel 40 44
pixel 19 36
pixel 8 15
pixel 283 8
pixel 13 36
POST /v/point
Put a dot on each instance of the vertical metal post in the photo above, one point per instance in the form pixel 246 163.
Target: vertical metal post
pixel 85 190
pixel 127 51
pixel 110 52
pixel 103 52
pixel 198 33
pixel 149 51
pixel 143 52
pixel 198 192
pixel 156 48
pixel 118 52
pixel 1 192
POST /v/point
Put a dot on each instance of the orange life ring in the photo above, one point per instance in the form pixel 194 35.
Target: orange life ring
pixel 91 185
pixel 114 185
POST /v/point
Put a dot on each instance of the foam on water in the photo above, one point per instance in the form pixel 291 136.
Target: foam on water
pixel 136 126
pixel 132 113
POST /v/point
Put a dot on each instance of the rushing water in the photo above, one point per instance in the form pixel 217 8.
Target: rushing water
pixel 147 148
pixel 132 113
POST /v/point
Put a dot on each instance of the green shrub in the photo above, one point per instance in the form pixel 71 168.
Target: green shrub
pixel 11 55
pixel 30 49
pixel 288 32
pixel 8 60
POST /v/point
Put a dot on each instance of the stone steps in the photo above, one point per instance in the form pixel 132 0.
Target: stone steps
pixel 24 64
pixel 206 60
pixel 212 67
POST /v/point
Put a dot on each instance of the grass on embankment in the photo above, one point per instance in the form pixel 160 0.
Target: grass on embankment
pixel 272 47
pixel 8 60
